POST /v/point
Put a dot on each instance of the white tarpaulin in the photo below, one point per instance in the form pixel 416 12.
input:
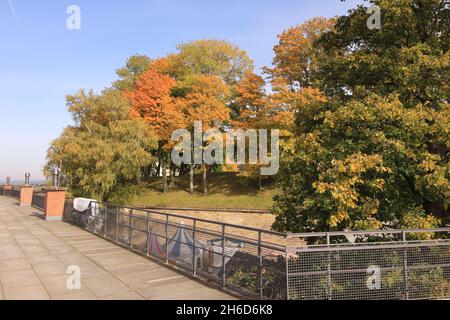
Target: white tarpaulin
pixel 217 255
pixel 82 204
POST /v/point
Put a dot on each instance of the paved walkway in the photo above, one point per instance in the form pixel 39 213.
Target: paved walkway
pixel 34 256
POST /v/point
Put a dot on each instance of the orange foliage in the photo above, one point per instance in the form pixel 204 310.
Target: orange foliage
pixel 206 101
pixel 151 100
pixel 295 56
pixel 285 104
pixel 252 102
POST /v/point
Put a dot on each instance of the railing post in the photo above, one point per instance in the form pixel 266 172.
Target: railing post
pixel 405 265
pixel 117 224
pixel 260 267
pixel 130 236
pixel 287 274
pixel 26 196
pixel 54 204
pixel 330 294
pixel 223 256
pixel 148 233
pixel 105 222
pixel 167 238
pixel 194 260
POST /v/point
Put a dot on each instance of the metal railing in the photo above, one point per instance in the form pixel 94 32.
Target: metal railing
pixel 15 193
pixel 256 263
pixel 38 201
pixel 245 260
pixel 370 265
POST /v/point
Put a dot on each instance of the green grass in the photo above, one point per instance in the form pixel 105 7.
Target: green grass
pixel 225 191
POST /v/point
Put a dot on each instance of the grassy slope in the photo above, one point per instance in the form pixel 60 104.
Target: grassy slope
pixel 225 191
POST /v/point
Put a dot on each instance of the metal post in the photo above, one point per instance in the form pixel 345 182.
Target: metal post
pixel 55 174
pixel 148 233
pixel 167 238
pixel 405 266
pixel 329 269
pixel 223 256
pixel 130 236
pixel 260 267
pixel 27 179
pixel 105 222
pixel 117 224
pixel 287 274
pixel 96 220
pixel 194 260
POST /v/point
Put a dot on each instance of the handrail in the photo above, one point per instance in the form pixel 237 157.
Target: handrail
pixel 365 233
pixel 231 225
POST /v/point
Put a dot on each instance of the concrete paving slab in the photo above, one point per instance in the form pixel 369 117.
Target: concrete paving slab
pixel 48 269
pixel 103 286
pixel 75 295
pixel 14 265
pixel 41 258
pixel 57 285
pixel 130 295
pixel 37 292
pixel 9 253
pixel 14 279
pixel 34 255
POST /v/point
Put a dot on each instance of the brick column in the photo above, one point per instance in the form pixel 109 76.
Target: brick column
pixel 26 196
pixel 7 187
pixel 54 204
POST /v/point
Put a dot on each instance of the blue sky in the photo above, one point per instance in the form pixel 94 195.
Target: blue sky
pixel 41 60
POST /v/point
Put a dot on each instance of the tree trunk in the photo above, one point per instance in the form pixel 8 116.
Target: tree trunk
pixel 205 181
pixel 172 176
pixel 158 168
pixel 259 181
pixel 191 178
pixel 164 173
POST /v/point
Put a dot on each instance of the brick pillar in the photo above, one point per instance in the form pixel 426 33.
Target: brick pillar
pixel 26 196
pixel 54 204
pixel 7 187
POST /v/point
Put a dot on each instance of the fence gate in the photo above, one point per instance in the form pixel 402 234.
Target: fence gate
pixel 370 271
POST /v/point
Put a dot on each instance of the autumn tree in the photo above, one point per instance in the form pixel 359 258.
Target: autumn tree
pixel 409 56
pixel 103 152
pixel 216 59
pixel 129 74
pixel 293 77
pixel 210 57
pixel 374 149
pixel 296 57
pixel 253 112
pixel 151 100
pixel 205 102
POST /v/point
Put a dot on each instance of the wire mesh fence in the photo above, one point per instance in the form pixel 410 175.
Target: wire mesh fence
pixel 256 263
pixel 381 265
pixel 210 250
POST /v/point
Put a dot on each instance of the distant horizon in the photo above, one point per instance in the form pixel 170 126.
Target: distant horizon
pixel 21 182
pixel 44 61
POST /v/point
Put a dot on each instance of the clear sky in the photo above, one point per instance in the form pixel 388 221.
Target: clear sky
pixel 41 60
